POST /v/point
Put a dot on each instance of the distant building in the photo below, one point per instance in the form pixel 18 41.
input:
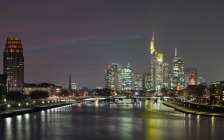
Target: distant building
pixel 191 80
pixel 189 72
pixel 178 72
pixel 147 81
pixel 166 79
pixel 156 69
pixel 217 90
pixel 3 86
pixel 58 90
pixel 50 88
pixel 73 86
pixel 127 78
pixel 113 77
pixel 13 64
pixel 200 80
pixel 137 81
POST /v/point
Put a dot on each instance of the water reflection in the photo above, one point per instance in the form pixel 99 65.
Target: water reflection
pixel 146 120
pixel 8 128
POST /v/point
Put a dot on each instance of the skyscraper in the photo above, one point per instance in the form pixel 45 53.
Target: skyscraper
pixel 137 81
pixel 127 78
pixel 146 81
pixel 113 77
pixel 13 64
pixel 178 72
pixel 156 69
pixel 166 79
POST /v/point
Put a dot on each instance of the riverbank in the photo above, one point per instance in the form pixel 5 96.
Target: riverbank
pixel 182 107
pixel 16 112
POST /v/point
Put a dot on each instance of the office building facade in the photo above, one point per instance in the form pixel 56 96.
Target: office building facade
pixel 156 68
pixel 127 78
pixel 13 64
pixel 137 81
pixel 113 77
pixel 178 73
pixel 188 72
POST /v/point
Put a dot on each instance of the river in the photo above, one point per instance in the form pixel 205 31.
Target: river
pixel 146 121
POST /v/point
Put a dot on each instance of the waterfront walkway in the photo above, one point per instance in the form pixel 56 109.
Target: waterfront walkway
pixel 184 109
pixel 21 111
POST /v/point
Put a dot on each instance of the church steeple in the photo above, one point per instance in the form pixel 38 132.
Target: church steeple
pixel 70 83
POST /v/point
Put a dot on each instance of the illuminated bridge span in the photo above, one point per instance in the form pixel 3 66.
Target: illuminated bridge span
pixel 115 99
pixel 94 99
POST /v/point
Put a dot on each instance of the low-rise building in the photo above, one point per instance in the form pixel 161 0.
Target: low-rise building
pixel 50 88
pixel 217 90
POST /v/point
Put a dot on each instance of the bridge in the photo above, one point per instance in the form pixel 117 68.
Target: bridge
pixel 115 99
pixel 134 99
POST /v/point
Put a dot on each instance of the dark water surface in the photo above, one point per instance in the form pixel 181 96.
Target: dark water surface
pixel 148 121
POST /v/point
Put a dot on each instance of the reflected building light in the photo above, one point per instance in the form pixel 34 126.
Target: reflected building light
pixel 19 117
pixel 19 126
pixel 8 121
pixel 42 112
pixel 198 125
pixel 9 128
pixel 213 125
pixel 27 116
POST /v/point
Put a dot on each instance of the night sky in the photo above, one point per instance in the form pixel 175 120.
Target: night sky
pixel 80 37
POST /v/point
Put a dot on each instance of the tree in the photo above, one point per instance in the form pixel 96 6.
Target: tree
pixel 15 96
pixel 39 95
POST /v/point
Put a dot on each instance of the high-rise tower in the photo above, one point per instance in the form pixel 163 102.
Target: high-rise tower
pixel 156 67
pixel 127 78
pixel 178 72
pixel 113 77
pixel 166 79
pixel 13 64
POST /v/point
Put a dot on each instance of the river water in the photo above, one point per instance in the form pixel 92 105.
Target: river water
pixel 146 121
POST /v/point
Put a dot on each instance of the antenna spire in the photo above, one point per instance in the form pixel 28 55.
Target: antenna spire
pixel 175 51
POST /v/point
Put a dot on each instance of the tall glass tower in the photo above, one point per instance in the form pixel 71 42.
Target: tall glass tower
pixel 178 72
pixel 13 64
pixel 127 78
pixel 113 77
pixel 156 67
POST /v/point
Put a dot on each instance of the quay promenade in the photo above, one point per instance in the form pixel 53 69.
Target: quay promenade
pixel 10 111
pixel 197 109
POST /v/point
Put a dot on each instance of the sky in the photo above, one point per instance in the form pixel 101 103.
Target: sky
pixel 80 37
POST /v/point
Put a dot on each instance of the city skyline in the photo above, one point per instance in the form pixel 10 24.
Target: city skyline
pixel 81 37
